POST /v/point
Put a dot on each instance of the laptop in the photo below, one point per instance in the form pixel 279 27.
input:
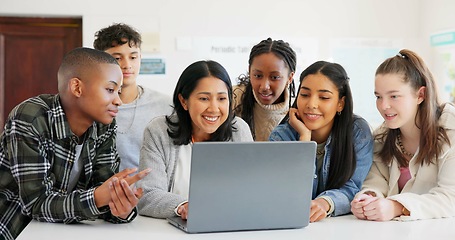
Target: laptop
pixel 238 186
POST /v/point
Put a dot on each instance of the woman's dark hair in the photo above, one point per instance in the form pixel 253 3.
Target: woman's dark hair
pixel 180 129
pixel 342 158
pixel 283 51
pixel 415 72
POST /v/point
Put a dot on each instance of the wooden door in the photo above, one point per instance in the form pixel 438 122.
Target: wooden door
pixel 31 49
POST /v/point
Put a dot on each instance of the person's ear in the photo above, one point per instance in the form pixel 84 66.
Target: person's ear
pixel 291 75
pixel 75 87
pixel 183 102
pixel 341 103
pixel 421 94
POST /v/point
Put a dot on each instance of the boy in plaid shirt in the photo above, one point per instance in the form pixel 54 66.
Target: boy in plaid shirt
pixel 58 159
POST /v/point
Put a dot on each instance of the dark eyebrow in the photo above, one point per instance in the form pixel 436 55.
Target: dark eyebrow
pixel 389 92
pixel 275 72
pixel 322 90
pixel 116 53
pixel 114 82
pixel 272 72
pixel 208 93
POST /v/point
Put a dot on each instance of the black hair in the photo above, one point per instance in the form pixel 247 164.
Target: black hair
pixel 342 158
pixel 80 60
pixel 180 130
pixel 282 50
pixel 115 35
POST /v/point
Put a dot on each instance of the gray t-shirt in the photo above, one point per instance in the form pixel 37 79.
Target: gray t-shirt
pixel 132 119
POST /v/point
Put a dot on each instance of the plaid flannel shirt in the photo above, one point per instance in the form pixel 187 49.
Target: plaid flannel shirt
pixel 37 153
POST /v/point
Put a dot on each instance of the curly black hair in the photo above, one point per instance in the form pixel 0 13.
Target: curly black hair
pixel 115 35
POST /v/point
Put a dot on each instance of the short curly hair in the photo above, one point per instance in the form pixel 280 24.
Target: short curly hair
pixel 115 35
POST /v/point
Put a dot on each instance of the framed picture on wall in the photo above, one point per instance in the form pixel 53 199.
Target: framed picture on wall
pixel 152 66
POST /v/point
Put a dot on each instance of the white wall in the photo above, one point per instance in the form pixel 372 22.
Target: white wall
pixel 406 21
pixel 439 18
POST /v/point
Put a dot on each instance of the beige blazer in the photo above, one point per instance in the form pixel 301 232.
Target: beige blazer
pixel 430 193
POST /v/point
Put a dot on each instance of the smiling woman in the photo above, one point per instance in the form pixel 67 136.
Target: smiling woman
pixel 208 106
pixel 263 96
pixel 412 173
pixel 202 112
pixel 323 112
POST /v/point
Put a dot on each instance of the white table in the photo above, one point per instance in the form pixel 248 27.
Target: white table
pixel 344 227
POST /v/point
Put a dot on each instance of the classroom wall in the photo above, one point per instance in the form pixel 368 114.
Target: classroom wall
pixel 440 18
pixel 172 28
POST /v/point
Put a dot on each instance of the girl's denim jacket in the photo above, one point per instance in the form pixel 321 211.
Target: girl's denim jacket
pixel 363 145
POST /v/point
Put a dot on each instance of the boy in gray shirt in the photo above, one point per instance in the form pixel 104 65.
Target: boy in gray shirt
pixel 140 104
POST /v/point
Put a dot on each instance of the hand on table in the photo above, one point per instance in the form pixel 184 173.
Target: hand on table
pixel 374 208
pixel 318 210
pixel 183 211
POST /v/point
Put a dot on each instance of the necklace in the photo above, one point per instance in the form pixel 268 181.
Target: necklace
pixel 400 143
pixel 139 93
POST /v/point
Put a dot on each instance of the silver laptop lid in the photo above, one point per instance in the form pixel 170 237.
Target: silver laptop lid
pixel 250 186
